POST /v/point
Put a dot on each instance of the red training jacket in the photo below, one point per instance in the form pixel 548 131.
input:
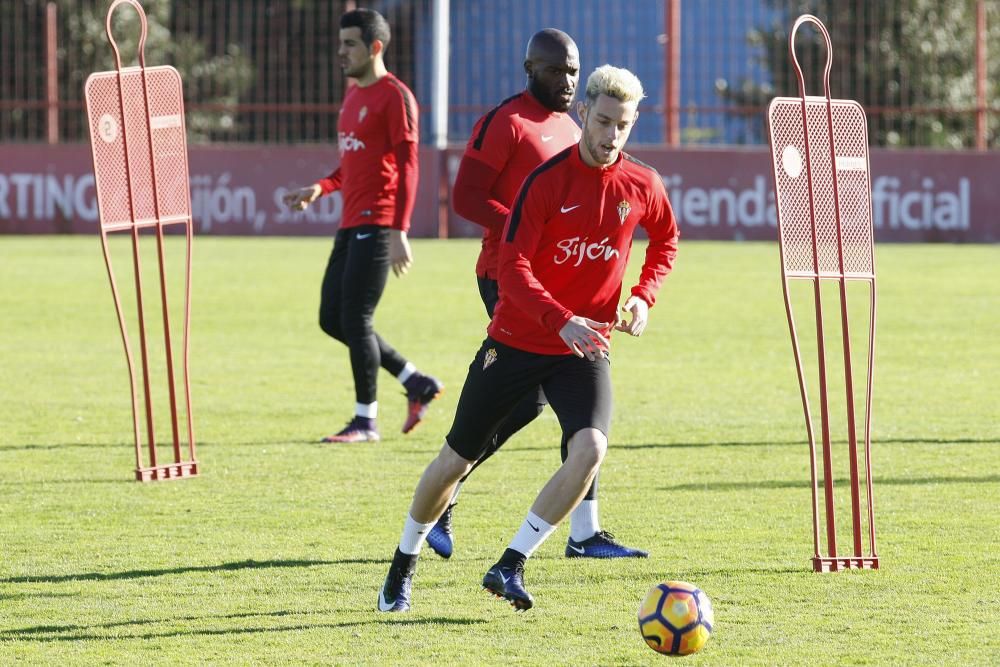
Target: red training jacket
pixel 567 243
pixel 506 144
pixel 377 135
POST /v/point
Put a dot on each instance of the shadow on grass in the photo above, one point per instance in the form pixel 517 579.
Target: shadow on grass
pixel 804 443
pixel 54 633
pixel 25 596
pixel 776 443
pixel 62 445
pixel 934 441
pixel 699 445
pixel 41 446
pixel 730 571
pixel 619 445
pixel 139 574
pixel 805 484
pixel 97 480
pixel 42 629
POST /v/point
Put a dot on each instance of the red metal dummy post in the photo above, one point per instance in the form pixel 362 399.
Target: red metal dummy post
pixel 822 184
pixel 139 146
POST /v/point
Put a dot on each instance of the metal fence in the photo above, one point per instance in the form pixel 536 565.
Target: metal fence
pixel 266 71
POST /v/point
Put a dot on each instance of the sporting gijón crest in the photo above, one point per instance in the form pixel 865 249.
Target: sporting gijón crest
pixel 623 210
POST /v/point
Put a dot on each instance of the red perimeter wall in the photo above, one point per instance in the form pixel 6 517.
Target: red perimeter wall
pixel 716 194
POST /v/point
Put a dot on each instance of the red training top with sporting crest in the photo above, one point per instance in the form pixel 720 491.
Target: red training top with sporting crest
pixel 567 242
pixel 512 139
pixel 376 130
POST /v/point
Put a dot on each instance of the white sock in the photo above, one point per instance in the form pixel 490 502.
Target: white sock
pixel 583 521
pixel 369 410
pixel 454 496
pixel 533 532
pixel 414 535
pixel 408 370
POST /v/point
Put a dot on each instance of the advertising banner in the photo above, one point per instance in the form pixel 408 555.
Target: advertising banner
pixel 723 194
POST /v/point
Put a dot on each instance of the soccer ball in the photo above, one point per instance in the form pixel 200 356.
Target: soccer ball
pixel 676 618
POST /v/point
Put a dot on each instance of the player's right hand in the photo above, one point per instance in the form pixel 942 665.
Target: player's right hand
pixel 582 336
pixel 298 200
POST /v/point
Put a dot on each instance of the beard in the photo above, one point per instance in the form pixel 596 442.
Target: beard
pixel 598 155
pixel 353 72
pixel 550 99
pixel 357 70
pixel 594 148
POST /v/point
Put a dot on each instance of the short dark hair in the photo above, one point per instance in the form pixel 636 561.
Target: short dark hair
pixel 373 25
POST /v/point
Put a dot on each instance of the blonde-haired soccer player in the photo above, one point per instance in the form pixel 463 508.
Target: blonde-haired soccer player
pixel 614 82
pixel 506 145
pixel 563 256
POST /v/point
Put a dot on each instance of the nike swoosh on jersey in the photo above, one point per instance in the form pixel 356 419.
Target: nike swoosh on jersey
pixel 546 139
pixel 567 209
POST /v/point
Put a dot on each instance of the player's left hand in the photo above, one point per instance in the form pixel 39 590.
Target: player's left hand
pixel 400 254
pixel 640 315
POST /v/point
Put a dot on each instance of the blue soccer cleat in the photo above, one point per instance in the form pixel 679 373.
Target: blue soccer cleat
pixel 440 537
pixel 395 593
pixel 602 545
pixel 508 583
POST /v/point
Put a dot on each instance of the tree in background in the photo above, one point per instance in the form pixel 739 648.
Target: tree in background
pixel 213 80
pixel 904 61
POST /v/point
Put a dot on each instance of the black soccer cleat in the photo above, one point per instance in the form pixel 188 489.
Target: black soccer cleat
pixel 440 537
pixel 395 593
pixel 602 545
pixel 508 583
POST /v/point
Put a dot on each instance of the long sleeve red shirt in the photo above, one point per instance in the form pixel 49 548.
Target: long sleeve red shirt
pixel 567 242
pixel 506 144
pixel 377 136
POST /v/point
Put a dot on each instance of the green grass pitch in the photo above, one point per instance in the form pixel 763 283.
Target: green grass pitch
pixel 276 552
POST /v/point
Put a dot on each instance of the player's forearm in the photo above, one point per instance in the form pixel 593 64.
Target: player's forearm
pixel 518 283
pixel 331 182
pixel 475 203
pixel 407 161
pixel 476 206
pixel 473 199
pixel 660 256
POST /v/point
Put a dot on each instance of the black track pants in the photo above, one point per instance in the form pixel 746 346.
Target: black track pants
pixel 355 277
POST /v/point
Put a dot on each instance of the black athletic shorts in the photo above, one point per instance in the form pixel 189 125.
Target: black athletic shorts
pixel 578 390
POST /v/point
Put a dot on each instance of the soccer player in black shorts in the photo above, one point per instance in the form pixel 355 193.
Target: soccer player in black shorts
pixel 377 136
pixel 507 143
pixel 562 260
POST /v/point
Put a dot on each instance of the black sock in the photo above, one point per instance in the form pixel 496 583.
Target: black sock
pixel 404 562
pixel 512 559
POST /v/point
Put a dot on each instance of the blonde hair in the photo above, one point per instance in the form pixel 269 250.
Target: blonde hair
pixel 614 82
